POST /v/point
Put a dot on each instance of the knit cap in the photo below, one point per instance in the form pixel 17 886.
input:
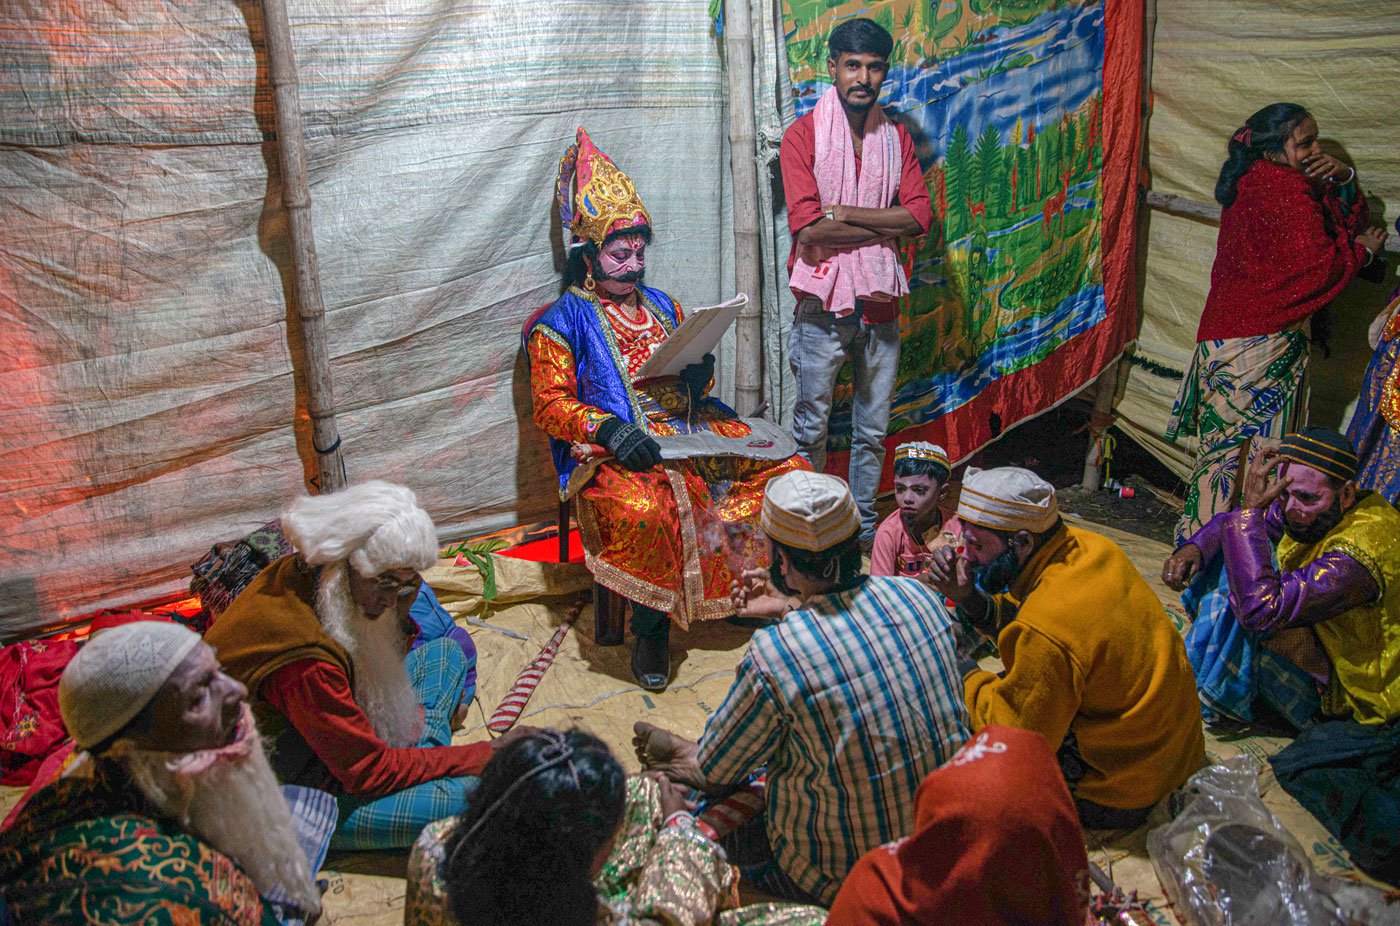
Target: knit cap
pixel 116 674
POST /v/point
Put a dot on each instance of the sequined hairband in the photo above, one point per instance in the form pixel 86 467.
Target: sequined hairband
pixel 1245 136
pixel 919 453
pixel 556 752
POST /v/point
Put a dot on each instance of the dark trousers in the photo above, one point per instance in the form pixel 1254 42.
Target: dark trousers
pixel 649 623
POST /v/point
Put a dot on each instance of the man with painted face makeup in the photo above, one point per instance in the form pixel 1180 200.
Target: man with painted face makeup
pixel 1337 572
pixel 670 536
pixel 918 525
pixel 1093 662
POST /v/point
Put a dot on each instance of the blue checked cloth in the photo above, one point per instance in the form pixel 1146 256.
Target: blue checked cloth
pixel 1232 669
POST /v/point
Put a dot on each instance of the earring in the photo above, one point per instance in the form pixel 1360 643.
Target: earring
pixel 588 283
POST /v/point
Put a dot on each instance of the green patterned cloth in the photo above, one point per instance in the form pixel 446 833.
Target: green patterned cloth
pixel 94 851
pixel 1234 390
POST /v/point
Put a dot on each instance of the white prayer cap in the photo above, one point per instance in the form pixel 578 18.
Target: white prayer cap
pixel 809 511
pixel 1007 498
pixel 116 674
pixel 376 525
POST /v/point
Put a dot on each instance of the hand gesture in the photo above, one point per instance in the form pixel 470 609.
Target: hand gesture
pixel 1373 239
pixel 1181 567
pixel 951 575
pixel 675 797
pixel 1260 490
pixel 1324 166
pixel 753 595
pixel 698 377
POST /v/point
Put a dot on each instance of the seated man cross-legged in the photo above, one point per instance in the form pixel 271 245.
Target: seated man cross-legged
pixel 847 703
pixel 1093 662
pixel 1296 591
pixel 321 640
pixel 170 814
pixel 1337 573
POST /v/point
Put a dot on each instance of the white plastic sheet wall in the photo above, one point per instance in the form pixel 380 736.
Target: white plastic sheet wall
pixel 1215 63
pixel 147 378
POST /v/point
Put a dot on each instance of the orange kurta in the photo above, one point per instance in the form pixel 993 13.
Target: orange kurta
pixel 673 537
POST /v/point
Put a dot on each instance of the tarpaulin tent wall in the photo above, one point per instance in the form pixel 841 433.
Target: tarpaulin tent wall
pixel 1215 63
pixel 147 384
pixel 150 382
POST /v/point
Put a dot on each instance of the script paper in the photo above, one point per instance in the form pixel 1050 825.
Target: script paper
pixel 697 336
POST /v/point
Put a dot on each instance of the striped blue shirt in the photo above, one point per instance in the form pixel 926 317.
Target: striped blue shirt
pixel 849 703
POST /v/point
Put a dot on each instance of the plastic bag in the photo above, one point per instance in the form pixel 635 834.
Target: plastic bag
pixel 1227 861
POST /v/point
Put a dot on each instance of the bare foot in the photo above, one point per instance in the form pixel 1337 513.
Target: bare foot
pixel 662 751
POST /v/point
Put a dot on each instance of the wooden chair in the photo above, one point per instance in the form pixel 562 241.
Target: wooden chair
pixel 609 608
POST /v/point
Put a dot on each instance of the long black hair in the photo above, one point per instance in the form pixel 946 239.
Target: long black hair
pixel 521 853
pixel 1267 130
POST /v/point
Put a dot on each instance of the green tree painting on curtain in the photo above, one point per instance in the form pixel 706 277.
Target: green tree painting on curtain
pixel 1004 99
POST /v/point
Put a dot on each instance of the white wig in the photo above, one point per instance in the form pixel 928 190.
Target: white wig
pixel 376 525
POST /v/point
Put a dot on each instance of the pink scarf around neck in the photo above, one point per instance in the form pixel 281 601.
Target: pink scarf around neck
pixel 840 276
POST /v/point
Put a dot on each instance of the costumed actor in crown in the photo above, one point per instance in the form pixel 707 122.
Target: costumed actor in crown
pixel 669 535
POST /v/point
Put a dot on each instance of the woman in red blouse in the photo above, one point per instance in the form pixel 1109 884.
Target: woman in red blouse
pixel 1293 234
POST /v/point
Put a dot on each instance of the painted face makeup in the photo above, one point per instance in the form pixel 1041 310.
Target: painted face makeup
pixel 621 261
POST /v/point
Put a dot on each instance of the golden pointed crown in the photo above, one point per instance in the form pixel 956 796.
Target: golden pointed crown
pixel 595 198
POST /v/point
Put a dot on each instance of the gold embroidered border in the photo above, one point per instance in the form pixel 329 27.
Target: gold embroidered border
pixel 692 580
pixel 608 575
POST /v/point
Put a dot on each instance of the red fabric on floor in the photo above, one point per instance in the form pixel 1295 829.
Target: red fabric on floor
pixel 30 725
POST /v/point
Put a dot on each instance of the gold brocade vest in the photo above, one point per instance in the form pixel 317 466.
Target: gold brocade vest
pixel 1363 643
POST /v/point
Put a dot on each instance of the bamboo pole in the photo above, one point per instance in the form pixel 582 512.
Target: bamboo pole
pixel 296 199
pixel 743 167
pixel 1210 212
pixel 1106 387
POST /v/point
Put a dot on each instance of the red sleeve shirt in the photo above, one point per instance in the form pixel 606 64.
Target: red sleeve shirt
pixel 315 696
pixel 1286 248
pixel 796 158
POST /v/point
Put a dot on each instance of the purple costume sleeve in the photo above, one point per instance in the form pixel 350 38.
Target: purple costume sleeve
pixel 1207 539
pixel 1263 600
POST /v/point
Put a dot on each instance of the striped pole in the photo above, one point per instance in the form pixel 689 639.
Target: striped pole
pixel 505 716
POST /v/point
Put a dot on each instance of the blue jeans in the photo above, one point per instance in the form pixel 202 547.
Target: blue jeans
pixel 818 345
pixel 438 672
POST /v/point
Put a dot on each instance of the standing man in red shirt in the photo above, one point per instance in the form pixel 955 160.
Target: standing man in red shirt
pixel 853 185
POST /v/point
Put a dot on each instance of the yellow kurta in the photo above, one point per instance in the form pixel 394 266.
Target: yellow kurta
pixel 1092 651
pixel 1363 643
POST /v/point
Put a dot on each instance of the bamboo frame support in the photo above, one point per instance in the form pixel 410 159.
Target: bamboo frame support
pixel 743 165
pixel 296 198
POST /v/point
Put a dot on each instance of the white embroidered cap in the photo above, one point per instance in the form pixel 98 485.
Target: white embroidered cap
pixel 1007 498
pixel 809 511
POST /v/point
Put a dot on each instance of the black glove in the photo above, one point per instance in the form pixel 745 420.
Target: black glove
pixel 698 376
pixel 631 445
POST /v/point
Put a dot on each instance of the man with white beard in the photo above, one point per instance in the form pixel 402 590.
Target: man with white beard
pixel 320 639
pixel 171 813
